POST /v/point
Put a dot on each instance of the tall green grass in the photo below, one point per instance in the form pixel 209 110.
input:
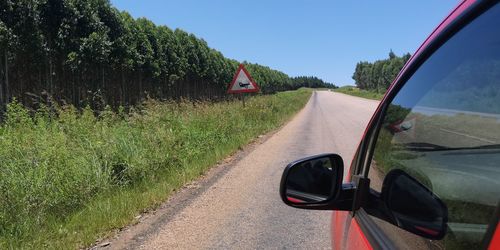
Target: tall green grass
pixel 71 177
pixel 369 94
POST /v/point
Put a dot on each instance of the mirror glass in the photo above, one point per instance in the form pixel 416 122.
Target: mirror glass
pixel 310 181
pixel 414 207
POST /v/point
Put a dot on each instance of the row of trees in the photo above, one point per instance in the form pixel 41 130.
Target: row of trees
pixel 272 80
pixel 79 50
pixel 311 82
pixel 377 76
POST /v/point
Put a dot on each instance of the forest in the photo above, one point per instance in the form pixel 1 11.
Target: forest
pixel 377 76
pixel 86 52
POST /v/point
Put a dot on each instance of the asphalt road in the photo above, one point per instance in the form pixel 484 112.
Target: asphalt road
pixel 238 206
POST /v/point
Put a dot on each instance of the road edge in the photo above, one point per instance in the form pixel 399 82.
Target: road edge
pixel 147 223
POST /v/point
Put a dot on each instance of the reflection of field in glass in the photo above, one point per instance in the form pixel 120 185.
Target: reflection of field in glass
pixel 460 130
pixel 452 175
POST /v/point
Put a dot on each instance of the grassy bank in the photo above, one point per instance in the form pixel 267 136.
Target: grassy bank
pixel 350 90
pixel 66 180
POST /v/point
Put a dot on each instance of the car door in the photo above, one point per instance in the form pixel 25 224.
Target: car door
pixel 440 124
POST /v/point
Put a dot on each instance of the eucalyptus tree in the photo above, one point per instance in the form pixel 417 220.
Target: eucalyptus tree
pixel 87 52
pixel 377 76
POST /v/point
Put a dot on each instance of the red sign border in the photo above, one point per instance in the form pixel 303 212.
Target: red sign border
pixel 242 67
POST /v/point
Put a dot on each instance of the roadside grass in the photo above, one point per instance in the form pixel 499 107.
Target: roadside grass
pixel 71 178
pixel 350 90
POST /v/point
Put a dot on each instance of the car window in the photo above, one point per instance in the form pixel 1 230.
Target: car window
pixel 443 128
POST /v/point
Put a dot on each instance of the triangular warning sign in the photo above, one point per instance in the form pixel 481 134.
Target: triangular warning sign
pixel 242 82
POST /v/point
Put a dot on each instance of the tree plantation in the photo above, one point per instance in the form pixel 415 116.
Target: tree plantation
pixel 86 52
pixel 379 75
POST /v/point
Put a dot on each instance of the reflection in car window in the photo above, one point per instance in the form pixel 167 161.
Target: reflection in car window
pixel 443 128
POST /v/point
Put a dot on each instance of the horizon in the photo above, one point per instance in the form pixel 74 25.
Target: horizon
pixel 298 38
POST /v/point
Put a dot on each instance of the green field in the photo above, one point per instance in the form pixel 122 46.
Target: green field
pixel 69 177
pixel 350 90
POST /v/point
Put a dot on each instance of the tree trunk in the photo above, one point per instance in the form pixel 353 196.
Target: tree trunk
pixel 122 89
pixel 73 90
pixel 103 91
pixel 79 88
pixel 140 86
pixel 50 77
pixel 6 78
pixel 1 95
pixel 102 78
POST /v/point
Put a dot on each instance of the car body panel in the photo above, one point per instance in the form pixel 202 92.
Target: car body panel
pixel 350 236
pixel 495 241
pixel 356 239
pixel 339 228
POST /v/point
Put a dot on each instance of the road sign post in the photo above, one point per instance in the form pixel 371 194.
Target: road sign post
pixel 242 83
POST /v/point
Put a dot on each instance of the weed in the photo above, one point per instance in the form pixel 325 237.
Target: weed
pixel 66 180
pixel 360 92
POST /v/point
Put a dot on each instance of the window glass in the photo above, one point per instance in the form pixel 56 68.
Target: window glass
pixel 443 128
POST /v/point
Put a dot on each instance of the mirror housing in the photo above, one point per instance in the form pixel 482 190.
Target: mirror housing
pixel 413 207
pixel 316 183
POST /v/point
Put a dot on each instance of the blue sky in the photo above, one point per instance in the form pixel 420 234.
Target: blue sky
pixel 324 38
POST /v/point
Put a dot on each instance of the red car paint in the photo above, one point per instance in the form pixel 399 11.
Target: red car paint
pixel 495 242
pixel 356 239
pixel 346 233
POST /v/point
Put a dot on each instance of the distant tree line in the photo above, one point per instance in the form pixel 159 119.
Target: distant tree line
pixel 77 51
pixel 377 76
pixel 311 82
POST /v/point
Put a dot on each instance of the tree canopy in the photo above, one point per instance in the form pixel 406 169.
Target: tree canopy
pixel 77 51
pixel 377 76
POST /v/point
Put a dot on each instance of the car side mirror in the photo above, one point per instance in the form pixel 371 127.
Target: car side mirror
pixel 315 183
pixel 413 207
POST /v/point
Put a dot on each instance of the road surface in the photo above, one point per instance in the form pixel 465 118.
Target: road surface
pixel 239 207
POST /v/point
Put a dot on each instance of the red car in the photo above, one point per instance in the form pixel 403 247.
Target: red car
pixel 426 173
